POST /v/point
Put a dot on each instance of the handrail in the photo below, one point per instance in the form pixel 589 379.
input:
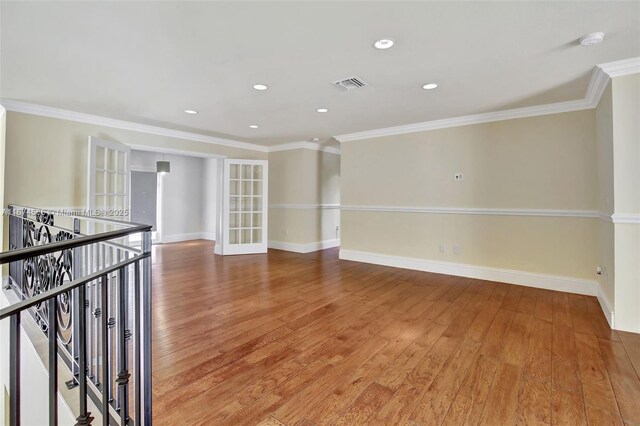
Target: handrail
pixel 57 291
pixel 33 251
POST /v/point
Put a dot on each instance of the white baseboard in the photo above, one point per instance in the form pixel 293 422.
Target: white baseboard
pixel 529 279
pixel 605 305
pixel 208 236
pixel 175 238
pixel 304 248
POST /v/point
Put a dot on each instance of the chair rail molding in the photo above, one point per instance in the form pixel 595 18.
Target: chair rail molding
pixel 305 206
pixel 477 211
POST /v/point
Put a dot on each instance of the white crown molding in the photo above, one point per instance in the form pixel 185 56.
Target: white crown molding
pixel 305 206
pixel 468 119
pixel 27 108
pixel 303 248
pixel 597 85
pixel 162 150
pixel 626 218
pixel 477 211
pixel 62 114
pixel 621 68
pixel 599 79
pixel 529 279
pixel 304 145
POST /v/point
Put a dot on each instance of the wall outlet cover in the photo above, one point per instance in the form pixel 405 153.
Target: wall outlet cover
pixel 458 177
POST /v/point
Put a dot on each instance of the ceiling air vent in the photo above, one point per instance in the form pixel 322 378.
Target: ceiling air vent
pixel 350 83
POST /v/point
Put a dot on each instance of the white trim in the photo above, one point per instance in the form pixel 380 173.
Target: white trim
pixel 466 120
pixel 45 111
pixel 621 68
pixel 626 218
pixel 477 211
pixel 80 117
pixel 597 85
pixel 305 206
pixel 607 310
pixel 304 248
pixel 304 145
pixel 175 238
pixel 211 236
pixel 605 216
pixel 599 80
pixel 529 279
pixel 158 149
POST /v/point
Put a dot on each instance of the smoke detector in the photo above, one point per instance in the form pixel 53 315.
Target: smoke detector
pixel 350 83
pixel 591 39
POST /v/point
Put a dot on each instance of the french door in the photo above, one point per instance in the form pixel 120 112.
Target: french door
pixel 108 180
pixel 244 216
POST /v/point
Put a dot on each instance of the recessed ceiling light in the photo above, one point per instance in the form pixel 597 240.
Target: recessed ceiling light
pixel 590 39
pixel 429 86
pixel 253 126
pixel 260 86
pixel 322 110
pixel 382 44
pixel 316 139
pixel 190 111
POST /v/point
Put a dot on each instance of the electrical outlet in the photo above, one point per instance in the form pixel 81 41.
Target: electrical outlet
pixel 456 249
pixel 458 177
pixel 337 232
pixel 442 248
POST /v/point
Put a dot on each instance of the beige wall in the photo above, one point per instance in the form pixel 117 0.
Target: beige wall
pixel 46 158
pixel 545 162
pixel 605 195
pixel 626 180
pixel 302 183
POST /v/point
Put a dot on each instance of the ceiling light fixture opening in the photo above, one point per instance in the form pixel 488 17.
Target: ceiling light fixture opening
pixel 383 44
pixel 315 139
pixel 322 110
pixel 591 39
pixel 429 86
pixel 260 86
pixel 190 111
pixel 253 126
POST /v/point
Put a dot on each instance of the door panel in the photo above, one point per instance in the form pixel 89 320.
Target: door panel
pixel 108 179
pixel 245 206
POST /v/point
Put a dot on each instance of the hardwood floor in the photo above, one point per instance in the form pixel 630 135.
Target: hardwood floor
pixel 287 338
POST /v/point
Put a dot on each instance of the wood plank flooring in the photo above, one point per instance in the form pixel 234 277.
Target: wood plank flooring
pixel 293 339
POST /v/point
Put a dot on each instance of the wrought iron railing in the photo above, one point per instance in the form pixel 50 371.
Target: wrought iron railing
pixel 89 291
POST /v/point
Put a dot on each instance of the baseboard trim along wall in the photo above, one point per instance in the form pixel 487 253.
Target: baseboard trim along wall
pixel 176 238
pixel 529 279
pixel 605 305
pixel 303 248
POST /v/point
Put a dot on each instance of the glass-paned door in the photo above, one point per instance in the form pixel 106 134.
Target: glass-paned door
pixel 108 180
pixel 245 206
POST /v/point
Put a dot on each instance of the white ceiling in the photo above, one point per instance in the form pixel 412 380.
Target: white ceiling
pixel 147 62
